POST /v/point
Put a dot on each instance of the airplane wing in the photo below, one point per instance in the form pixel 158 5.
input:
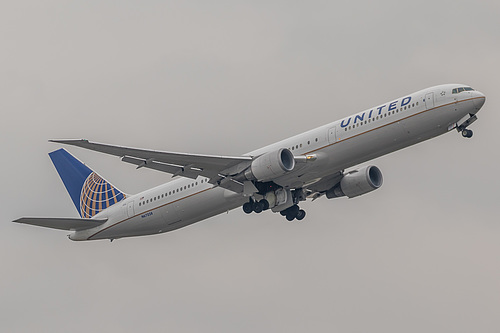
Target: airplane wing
pixel 316 189
pixel 62 223
pixel 217 168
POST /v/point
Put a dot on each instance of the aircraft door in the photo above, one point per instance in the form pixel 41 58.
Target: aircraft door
pixel 332 135
pixel 130 209
pixel 429 100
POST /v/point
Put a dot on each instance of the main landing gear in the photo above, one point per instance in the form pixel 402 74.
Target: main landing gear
pixel 293 213
pixel 290 213
pixel 255 206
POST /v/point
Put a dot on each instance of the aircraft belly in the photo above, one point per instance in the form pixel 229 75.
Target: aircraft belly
pixel 202 206
pixel 372 145
pixel 174 215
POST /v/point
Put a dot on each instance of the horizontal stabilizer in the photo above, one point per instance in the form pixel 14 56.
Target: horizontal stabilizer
pixel 62 223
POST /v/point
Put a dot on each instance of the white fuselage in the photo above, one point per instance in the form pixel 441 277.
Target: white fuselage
pixel 339 145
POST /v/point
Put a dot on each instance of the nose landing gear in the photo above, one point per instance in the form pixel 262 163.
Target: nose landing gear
pixel 464 123
pixel 467 133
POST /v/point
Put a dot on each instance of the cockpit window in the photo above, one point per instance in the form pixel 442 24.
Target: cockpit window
pixel 459 90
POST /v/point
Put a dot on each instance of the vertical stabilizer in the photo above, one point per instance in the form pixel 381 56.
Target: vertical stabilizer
pixel 90 192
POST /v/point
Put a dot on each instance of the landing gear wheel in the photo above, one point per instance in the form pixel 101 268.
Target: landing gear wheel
pixel 248 207
pixel 258 207
pixel 300 215
pixel 466 133
pixel 291 213
pixel 265 204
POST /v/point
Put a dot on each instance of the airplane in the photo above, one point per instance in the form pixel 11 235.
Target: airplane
pixel 277 177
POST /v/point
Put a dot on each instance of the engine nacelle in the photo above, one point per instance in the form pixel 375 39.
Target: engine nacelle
pixel 357 182
pixel 271 165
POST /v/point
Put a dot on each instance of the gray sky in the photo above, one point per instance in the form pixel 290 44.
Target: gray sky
pixel 420 254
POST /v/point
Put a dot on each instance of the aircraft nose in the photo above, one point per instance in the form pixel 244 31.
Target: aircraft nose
pixel 479 99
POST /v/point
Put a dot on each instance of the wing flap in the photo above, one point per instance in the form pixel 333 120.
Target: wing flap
pixel 62 223
pixel 175 170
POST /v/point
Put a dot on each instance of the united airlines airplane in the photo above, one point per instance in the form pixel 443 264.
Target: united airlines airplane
pixel 277 177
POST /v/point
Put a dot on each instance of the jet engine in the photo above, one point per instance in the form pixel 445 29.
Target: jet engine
pixel 357 182
pixel 271 165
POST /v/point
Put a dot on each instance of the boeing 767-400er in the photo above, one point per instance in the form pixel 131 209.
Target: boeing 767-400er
pixel 277 177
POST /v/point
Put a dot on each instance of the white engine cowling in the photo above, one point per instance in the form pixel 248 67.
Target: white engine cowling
pixel 357 182
pixel 271 165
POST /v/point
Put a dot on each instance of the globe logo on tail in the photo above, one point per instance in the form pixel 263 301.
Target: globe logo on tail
pixel 97 195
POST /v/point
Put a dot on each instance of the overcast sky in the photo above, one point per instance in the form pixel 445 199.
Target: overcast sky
pixel 225 77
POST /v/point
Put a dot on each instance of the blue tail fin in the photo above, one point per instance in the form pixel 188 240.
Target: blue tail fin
pixel 90 193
